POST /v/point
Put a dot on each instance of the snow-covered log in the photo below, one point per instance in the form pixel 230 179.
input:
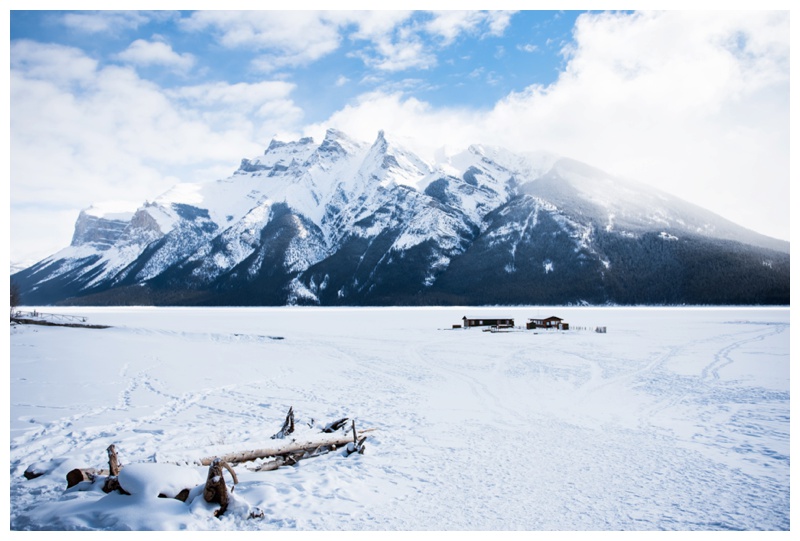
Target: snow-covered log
pixel 304 445
pixel 285 453
pixel 79 475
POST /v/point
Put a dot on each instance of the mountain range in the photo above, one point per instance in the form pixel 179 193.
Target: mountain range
pixel 344 222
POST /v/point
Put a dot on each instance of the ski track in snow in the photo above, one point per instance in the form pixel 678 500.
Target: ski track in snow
pixel 634 430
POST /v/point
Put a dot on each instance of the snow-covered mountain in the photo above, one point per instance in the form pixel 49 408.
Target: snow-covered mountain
pixel 347 222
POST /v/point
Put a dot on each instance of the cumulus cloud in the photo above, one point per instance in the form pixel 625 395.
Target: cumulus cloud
pixel 62 66
pixel 695 103
pixel 448 25
pixel 424 126
pixel 110 21
pixel 404 42
pixel 292 37
pixel 389 41
pixel 392 56
pixel 260 109
pixel 156 53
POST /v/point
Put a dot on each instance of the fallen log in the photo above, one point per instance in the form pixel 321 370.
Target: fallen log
pixel 285 453
pixel 305 445
pixel 79 475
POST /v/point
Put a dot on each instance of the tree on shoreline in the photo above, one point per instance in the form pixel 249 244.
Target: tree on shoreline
pixel 15 296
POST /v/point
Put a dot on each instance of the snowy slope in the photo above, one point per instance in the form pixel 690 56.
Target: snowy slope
pixel 348 222
pixel 675 419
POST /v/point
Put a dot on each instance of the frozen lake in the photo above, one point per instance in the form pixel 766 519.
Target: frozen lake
pixel 675 419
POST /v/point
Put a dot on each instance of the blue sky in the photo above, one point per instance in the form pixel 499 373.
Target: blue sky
pixel 115 107
pixel 467 64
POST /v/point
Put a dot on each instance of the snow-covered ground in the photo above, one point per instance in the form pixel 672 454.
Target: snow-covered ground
pixel 675 419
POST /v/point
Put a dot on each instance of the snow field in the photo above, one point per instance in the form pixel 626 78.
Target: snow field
pixel 676 419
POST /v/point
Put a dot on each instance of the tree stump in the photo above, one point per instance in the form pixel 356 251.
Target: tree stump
pixel 288 425
pixel 113 462
pixel 357 445
pixel 215 490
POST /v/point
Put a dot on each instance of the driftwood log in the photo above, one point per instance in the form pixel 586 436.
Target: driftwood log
pixel 285 453
pixel 296 446
pixel 79 475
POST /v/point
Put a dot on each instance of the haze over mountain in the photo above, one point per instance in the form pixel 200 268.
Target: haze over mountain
pixel 344 222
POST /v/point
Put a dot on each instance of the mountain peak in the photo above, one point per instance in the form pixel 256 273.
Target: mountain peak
pixel 395 162
pixel 276 144
pixel 339 142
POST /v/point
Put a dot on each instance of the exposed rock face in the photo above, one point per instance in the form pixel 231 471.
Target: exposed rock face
pixel 99 232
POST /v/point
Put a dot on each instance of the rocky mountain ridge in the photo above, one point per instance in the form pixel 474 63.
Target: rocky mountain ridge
pixel 344 222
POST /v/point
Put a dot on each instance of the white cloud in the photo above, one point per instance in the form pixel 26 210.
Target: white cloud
pixel 260 109
pixel 450 24
pixel 498 21
pixel 409 118
pixel 398 56
pixel 292 37
pixel 696 103
pixel 82 134
pixel 240 96
pixel 148 53
pixel 95 22
pixel 370 25
pixel 62 66
pixel 385 40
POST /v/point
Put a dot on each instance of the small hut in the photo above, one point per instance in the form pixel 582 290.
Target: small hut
pixel 551 322
pixel 488 322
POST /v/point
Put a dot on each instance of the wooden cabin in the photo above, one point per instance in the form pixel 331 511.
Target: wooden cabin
pixel 487 322
pixel 551 322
